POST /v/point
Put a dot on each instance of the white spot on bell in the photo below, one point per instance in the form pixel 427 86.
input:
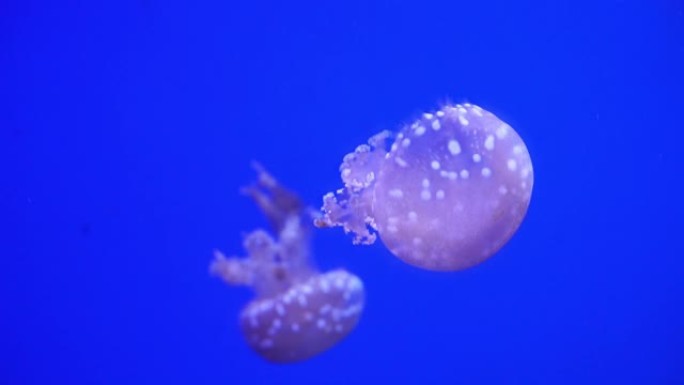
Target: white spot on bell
pixel 396 193
pixel 512 164
pixel 435 165
pixel 320 323
pixel 486 172
pixel 489 142
pixel 435 125
pixel 454 147
pixel 502 131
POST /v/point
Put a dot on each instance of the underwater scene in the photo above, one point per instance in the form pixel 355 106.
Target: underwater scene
pixel 364 192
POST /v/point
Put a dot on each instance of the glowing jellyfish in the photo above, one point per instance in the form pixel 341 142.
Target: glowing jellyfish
pixel 445 193
pixel 298 312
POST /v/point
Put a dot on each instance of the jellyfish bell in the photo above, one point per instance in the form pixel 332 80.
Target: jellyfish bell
pixel 446 193
pixel 298 312
pixel 307 319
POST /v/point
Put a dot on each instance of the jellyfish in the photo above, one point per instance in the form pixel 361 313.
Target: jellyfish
pixel 298 311
pixel 444 194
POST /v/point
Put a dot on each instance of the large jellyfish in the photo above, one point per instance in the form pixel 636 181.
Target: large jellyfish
pixel 445 193
pixel 298 312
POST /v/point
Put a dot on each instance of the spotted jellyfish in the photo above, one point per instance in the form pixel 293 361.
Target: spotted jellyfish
pixel 298 312
pixel 445 193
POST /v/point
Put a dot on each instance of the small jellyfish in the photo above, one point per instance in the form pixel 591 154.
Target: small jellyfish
pixel 446 193
pixel 298 312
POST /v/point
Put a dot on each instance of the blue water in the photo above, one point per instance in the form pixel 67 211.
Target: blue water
pixel 126 130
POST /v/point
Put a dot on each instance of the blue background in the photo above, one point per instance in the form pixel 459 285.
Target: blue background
pixel 126 130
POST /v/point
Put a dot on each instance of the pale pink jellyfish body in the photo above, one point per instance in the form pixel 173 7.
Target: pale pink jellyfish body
pixel 445 193
pixel 298 312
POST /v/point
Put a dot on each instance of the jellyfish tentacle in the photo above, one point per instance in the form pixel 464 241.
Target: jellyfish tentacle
pixel 233 271
pixel 351 206
pixel 275 201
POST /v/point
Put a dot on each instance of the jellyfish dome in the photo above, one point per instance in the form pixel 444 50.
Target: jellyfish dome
pixel 298 312
pixel 445 193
